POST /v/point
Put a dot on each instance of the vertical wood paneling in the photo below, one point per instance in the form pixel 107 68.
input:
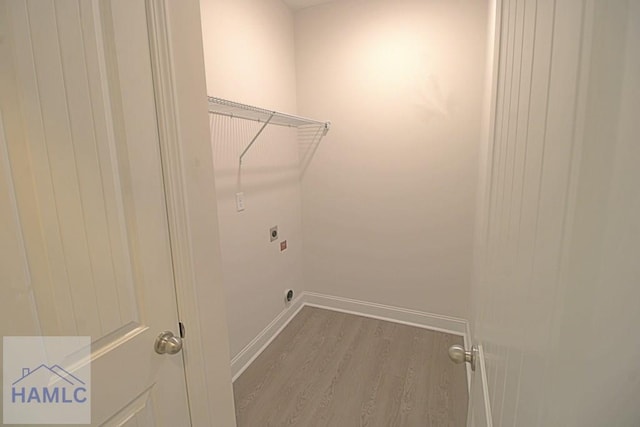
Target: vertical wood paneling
pixel 487 325
pixel 557 165
pixel 535 116
pixel 95 53
pixel 62 162
pixel 50 266
pixel 513 290
pixel 535 130
pixel 83 133
pixel 511 333
pixel 504 247
pixel 77 233
pixel 18 298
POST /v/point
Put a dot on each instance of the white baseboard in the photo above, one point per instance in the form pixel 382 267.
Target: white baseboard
pixel 421 319
pixel 249 353
pixel 252 350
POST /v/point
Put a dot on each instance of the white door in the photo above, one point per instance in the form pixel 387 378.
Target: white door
pixel 557 295
pixel 84 238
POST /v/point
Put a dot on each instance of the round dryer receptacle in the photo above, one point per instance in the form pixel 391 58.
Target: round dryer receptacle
pixel 288 295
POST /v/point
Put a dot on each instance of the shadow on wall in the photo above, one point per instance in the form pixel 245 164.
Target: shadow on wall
pixel 431 100
pixel 309 138
pixel 231 136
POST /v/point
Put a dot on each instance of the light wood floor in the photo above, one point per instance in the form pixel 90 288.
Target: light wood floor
pixel 333 369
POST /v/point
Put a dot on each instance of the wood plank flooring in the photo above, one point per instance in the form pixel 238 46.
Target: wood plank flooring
pixel 328 368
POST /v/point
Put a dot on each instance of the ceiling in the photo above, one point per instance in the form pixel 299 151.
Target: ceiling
pixel 301 4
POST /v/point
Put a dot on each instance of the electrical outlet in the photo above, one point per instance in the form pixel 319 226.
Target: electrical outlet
pixel 288 295
pixel 283 245
pixel 273 233
pixel 240 201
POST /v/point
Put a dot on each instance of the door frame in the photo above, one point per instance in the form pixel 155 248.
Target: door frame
pixel 177 63
pixel 479 411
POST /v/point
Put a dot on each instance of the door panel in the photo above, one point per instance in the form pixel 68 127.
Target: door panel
pixel 68 175
pixel 88 249
pixel 556 289
pixel 14 266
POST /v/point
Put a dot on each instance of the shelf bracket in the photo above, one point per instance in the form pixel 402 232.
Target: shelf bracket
pixel 256 137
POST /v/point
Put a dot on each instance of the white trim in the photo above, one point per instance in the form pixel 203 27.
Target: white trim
pixel 468 343
pixel 179 84
pixel 251 351
pixel 479 412
pixel 485 387
pixel 420 319
pixel 482 409
pixel 486 403
pixel 176 203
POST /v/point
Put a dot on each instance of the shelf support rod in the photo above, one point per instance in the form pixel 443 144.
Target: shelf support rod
pixel 256 137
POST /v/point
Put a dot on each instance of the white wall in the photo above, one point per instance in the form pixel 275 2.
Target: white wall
pixel 556 303
pixel 388 199
pixel 249 58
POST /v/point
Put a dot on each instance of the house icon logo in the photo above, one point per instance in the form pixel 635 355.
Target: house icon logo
pixel 46 380
pixel 48 384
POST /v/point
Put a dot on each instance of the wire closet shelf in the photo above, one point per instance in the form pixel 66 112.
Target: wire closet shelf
pixel 228 108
